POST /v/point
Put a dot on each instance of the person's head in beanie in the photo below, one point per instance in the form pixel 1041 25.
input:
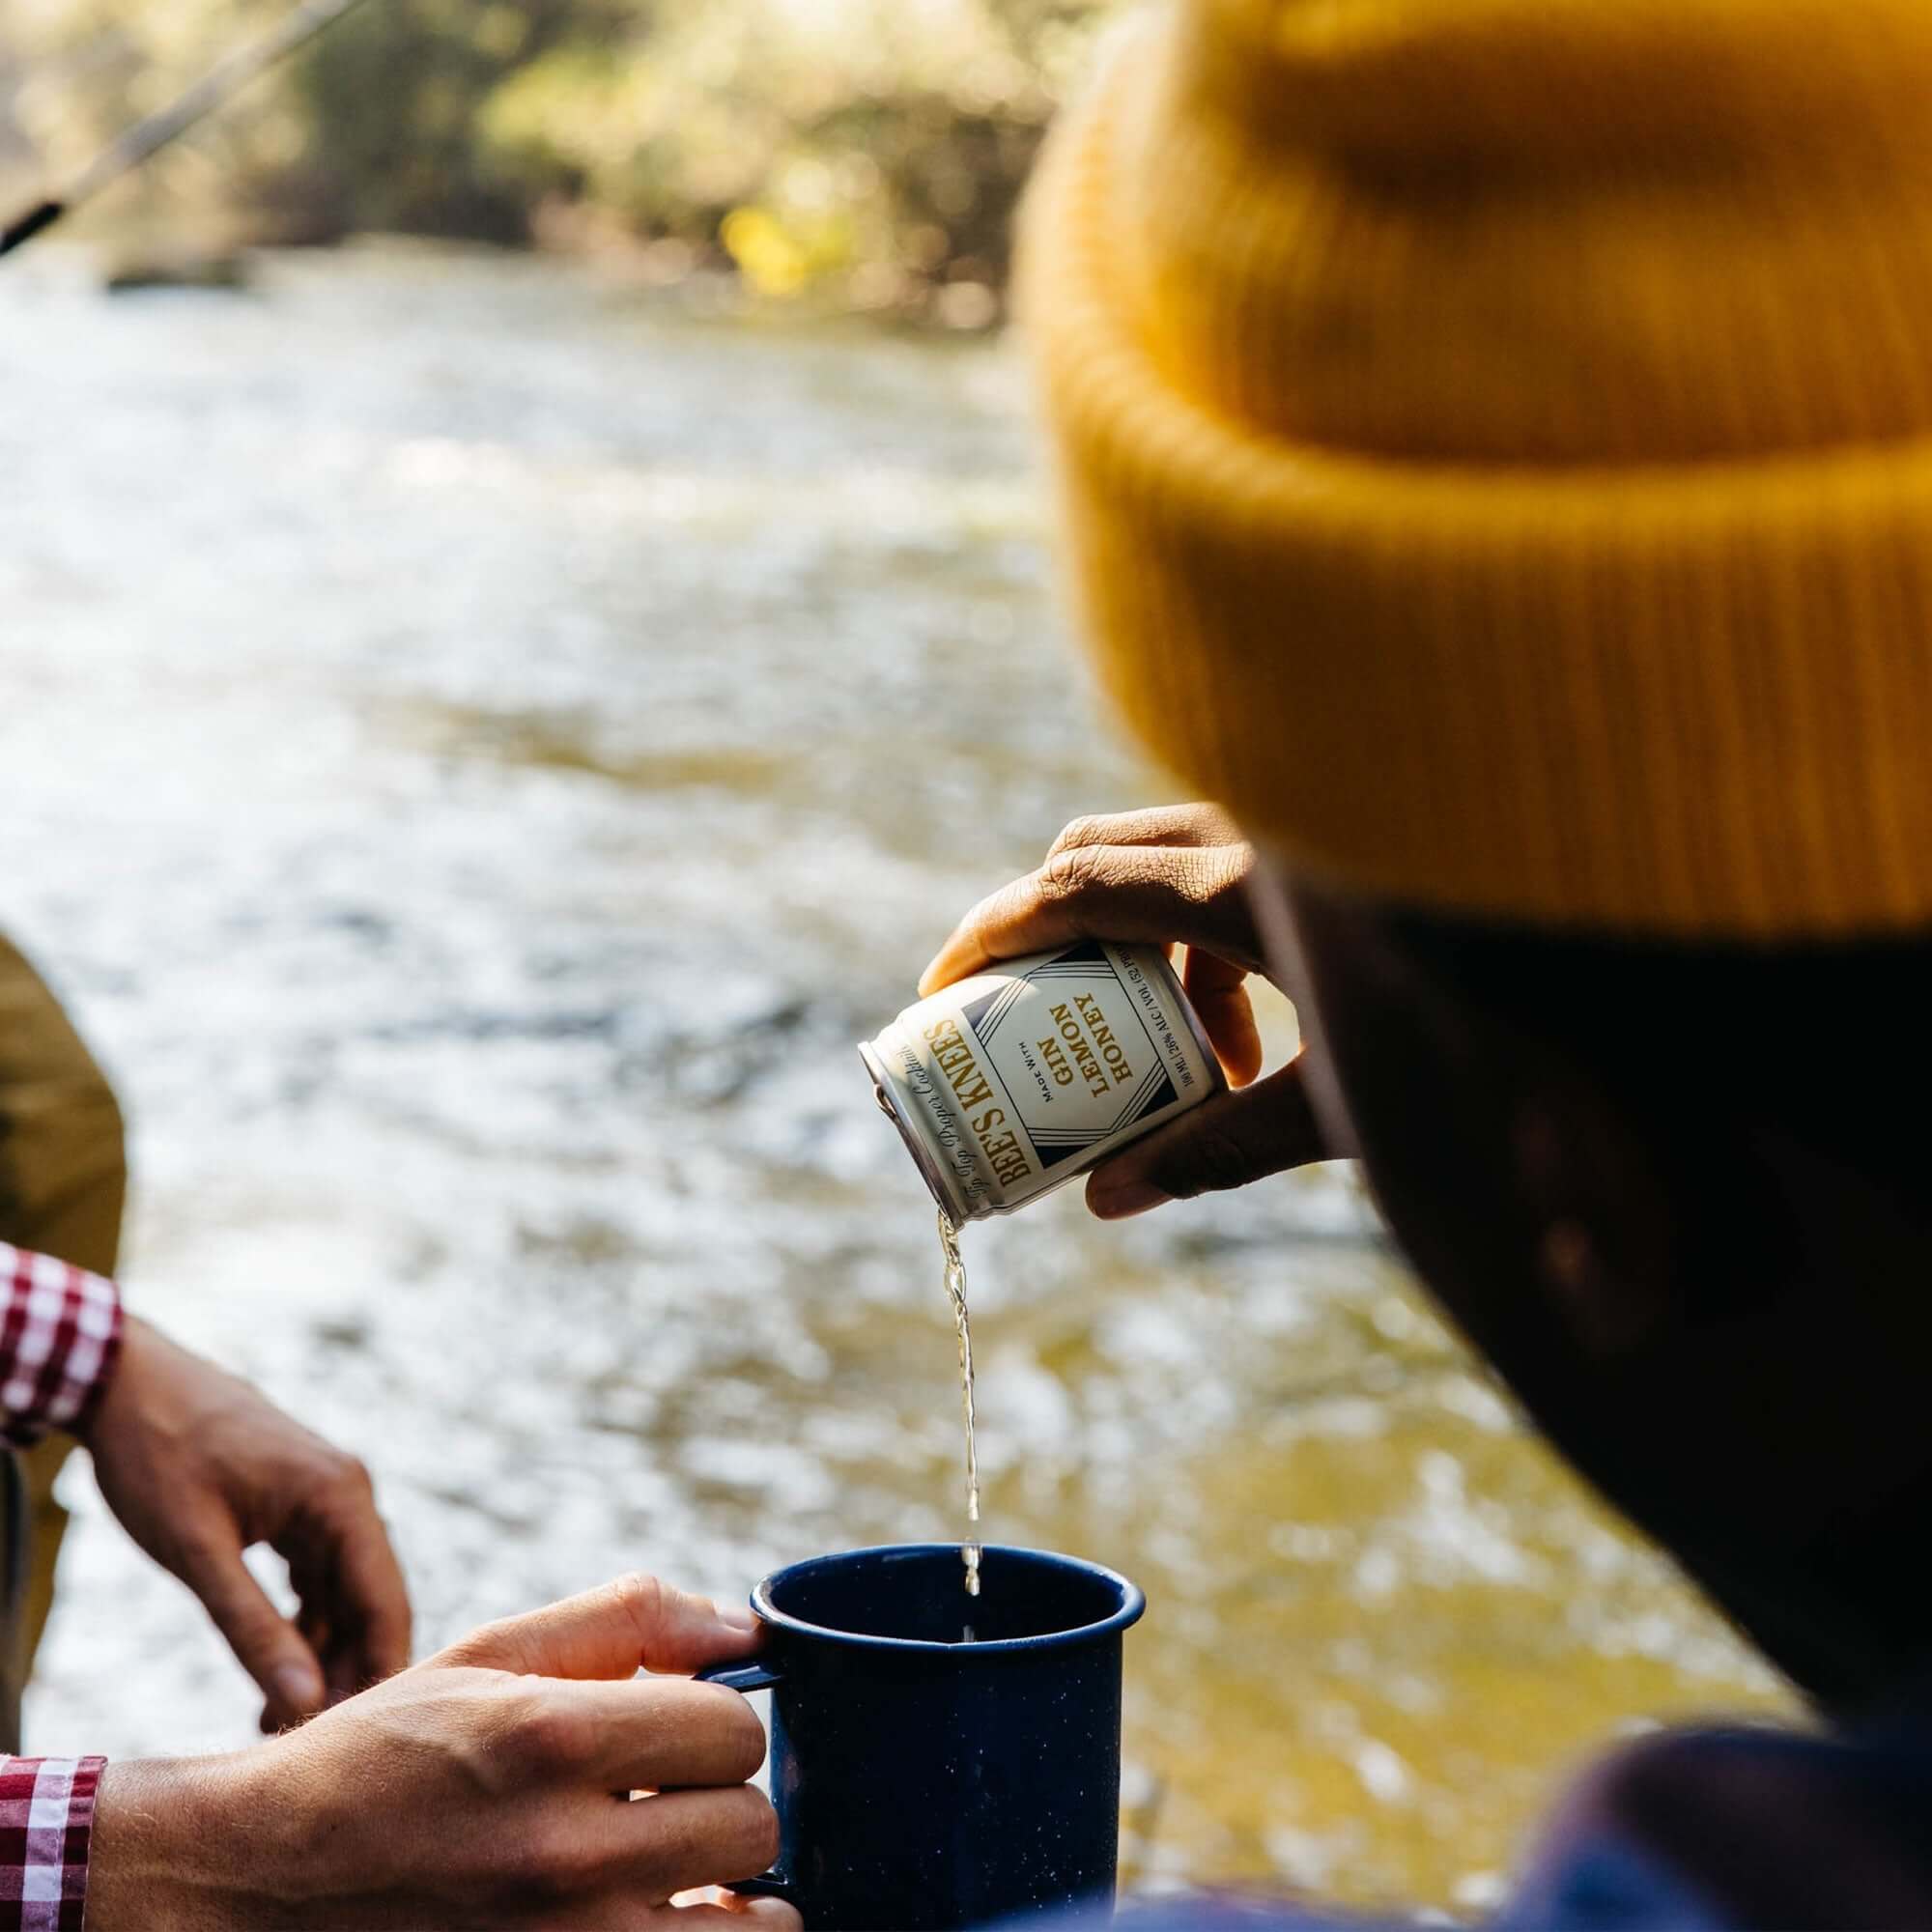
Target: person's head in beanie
pixel 1495 442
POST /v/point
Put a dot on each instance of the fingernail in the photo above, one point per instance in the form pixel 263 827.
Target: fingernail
pixel 1117 1200
pixel 740 1617
pixel 296 1684
pixel 930 976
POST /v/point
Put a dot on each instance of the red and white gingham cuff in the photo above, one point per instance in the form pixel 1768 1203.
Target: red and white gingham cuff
pixel 60 1328
pixel 46 1819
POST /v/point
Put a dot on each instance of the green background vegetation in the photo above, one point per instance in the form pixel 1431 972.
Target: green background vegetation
pixel 856 152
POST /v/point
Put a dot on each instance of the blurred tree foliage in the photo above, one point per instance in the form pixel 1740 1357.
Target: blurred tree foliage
pixel 863 151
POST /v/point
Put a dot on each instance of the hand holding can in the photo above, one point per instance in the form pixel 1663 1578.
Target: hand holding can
pixel 1145 882
pixel 1018 1079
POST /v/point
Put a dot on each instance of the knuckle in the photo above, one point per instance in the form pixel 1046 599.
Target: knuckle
pixel 351 1477
pixel 1068 875
pixel 1087 829
pixel 762 1830
pixel 472 1651
pixel 674 1843
pixel 739 1836
pixel 714 1732
pixel 641 1597
pixel 741 1735
pixel 538 1740
pixel 731 1835
pixel 205 1547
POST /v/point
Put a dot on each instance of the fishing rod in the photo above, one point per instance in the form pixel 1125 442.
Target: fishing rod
pixel 148 137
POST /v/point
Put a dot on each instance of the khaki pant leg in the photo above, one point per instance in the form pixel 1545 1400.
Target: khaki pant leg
pixel 63 1182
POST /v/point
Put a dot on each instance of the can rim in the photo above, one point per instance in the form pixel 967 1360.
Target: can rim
pixel 930 1172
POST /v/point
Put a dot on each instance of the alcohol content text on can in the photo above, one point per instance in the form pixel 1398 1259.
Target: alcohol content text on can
pixel 1031 1072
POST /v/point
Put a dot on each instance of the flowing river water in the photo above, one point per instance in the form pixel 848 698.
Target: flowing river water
pixel 477 749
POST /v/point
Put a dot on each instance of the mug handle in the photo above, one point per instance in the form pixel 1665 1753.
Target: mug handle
pixel 752 1676
pixel 747 1677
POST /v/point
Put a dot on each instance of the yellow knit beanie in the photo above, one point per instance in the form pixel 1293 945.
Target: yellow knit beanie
pixel 1497 442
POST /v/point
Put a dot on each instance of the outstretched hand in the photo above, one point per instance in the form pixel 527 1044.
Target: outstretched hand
pixel 1171 876
pixel 198 1468
pixel 495 1787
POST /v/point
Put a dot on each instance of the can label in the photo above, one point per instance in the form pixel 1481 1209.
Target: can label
pixel 1026 1075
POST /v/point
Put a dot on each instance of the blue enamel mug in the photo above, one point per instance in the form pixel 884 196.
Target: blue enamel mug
pixel 940 1760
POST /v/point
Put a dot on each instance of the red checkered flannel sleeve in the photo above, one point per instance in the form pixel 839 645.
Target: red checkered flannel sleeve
pixel 46 1817
pixel 60 1328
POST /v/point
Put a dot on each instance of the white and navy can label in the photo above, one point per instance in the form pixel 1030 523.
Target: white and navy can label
pixel 1009 1083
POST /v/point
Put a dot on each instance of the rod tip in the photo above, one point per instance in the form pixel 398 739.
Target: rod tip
pixel 25 227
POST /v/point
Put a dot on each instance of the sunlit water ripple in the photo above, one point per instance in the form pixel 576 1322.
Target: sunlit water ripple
pixel 478 749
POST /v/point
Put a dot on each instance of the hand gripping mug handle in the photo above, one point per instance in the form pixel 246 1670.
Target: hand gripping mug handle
pixel 748 1677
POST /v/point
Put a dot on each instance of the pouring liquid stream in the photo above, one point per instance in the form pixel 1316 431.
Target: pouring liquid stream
pixel 955 1293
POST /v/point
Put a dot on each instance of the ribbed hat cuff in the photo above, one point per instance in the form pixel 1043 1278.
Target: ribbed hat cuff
pixel 1689 701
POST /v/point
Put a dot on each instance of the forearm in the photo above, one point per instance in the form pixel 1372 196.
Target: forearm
pixel 173 1849
pixel 60 1335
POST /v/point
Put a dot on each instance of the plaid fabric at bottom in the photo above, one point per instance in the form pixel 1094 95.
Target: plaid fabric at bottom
pixel 46 1817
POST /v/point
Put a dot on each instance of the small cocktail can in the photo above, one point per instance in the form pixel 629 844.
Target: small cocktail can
pixel 1012 1082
